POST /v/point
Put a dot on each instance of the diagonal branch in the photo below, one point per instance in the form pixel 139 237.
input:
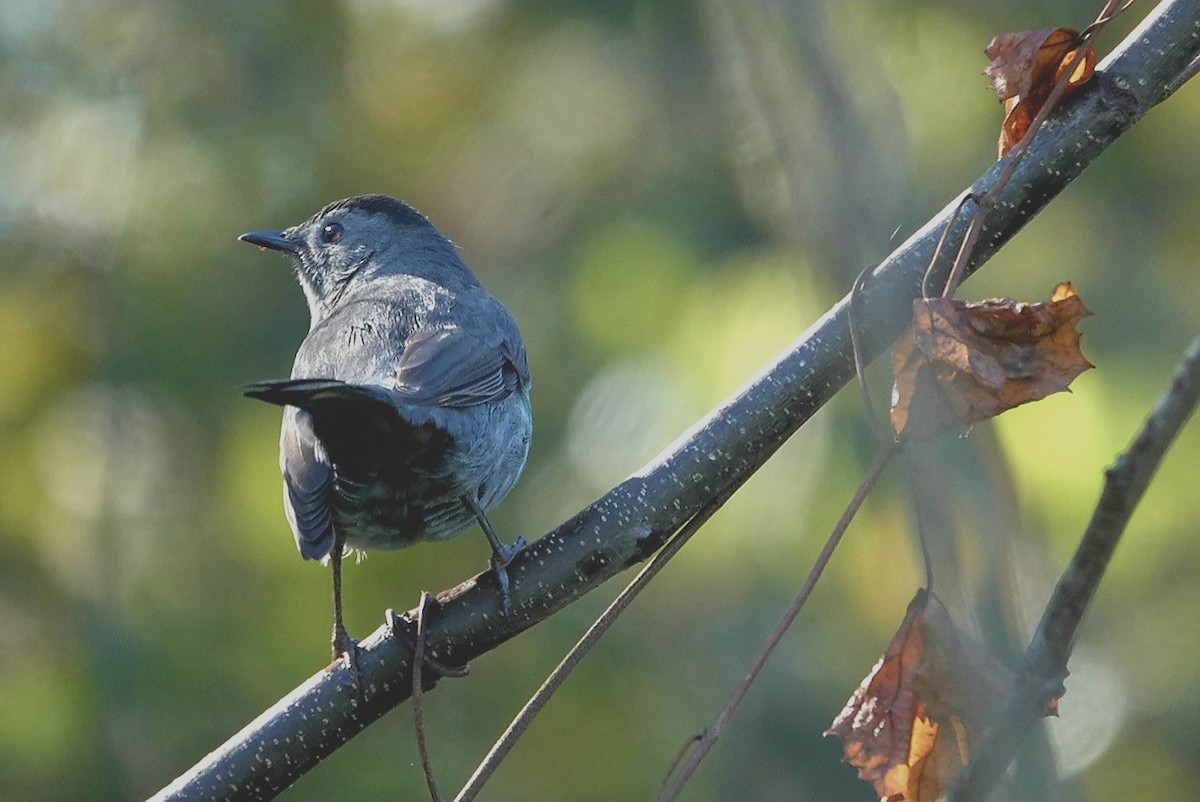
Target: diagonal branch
pixel 1045 665
pixel 634 519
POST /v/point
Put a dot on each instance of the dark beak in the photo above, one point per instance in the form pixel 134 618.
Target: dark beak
pixel 275 240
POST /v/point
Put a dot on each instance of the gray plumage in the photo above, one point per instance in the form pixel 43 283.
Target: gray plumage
pixel 409 398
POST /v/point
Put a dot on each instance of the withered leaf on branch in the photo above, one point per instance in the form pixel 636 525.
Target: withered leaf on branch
pixel 909 727
pixel 962 362
pixel 1024 69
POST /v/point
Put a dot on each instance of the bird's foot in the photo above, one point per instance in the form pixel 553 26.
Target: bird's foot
pixel 406 633
pixel 505 554
pixel 502 555
pixel 345 651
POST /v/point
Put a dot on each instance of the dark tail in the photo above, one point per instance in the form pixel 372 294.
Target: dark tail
pixel 355 420
pixel 324 397
pixel 305 393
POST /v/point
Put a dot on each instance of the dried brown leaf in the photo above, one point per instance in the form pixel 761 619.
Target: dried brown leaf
pixel 1024 69
pixel 876 725
pixel 910 725
pixel 962 362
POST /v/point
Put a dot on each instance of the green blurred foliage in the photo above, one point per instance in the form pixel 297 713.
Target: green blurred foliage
pixel 665 194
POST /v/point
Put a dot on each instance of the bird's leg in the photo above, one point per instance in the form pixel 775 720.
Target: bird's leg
pixel 343 644
pixel 501 554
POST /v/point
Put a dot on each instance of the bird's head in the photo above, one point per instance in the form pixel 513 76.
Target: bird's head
pixel 351 241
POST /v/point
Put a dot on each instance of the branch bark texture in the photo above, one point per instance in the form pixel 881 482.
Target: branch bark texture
pixel 635 518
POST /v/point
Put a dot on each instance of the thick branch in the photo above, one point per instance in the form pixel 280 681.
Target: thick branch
pixel 634 519
pixel 1045 665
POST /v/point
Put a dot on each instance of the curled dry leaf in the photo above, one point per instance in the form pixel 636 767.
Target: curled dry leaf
pixel 909 727
pixel 1024 69
pixel 964 362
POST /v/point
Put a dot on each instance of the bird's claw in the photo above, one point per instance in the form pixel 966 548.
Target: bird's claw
pixel 501 557
pixel 345 650
pixel 505 554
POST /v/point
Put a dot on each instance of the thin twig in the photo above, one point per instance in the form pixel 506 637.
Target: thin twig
pixel 1107 14
pixel 684 748
pixel 941 244
pixel 717 728
pixel 396 630
pixel 525 716
pixel 1045 665
pixel 922 533
pixel 417 693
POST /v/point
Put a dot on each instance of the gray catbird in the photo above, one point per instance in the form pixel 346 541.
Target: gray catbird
pixel 407 416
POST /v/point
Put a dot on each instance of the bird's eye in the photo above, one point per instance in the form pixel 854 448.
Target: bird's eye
pixel 331 233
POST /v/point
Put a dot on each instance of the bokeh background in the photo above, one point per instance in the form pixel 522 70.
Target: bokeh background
pixel 664 194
